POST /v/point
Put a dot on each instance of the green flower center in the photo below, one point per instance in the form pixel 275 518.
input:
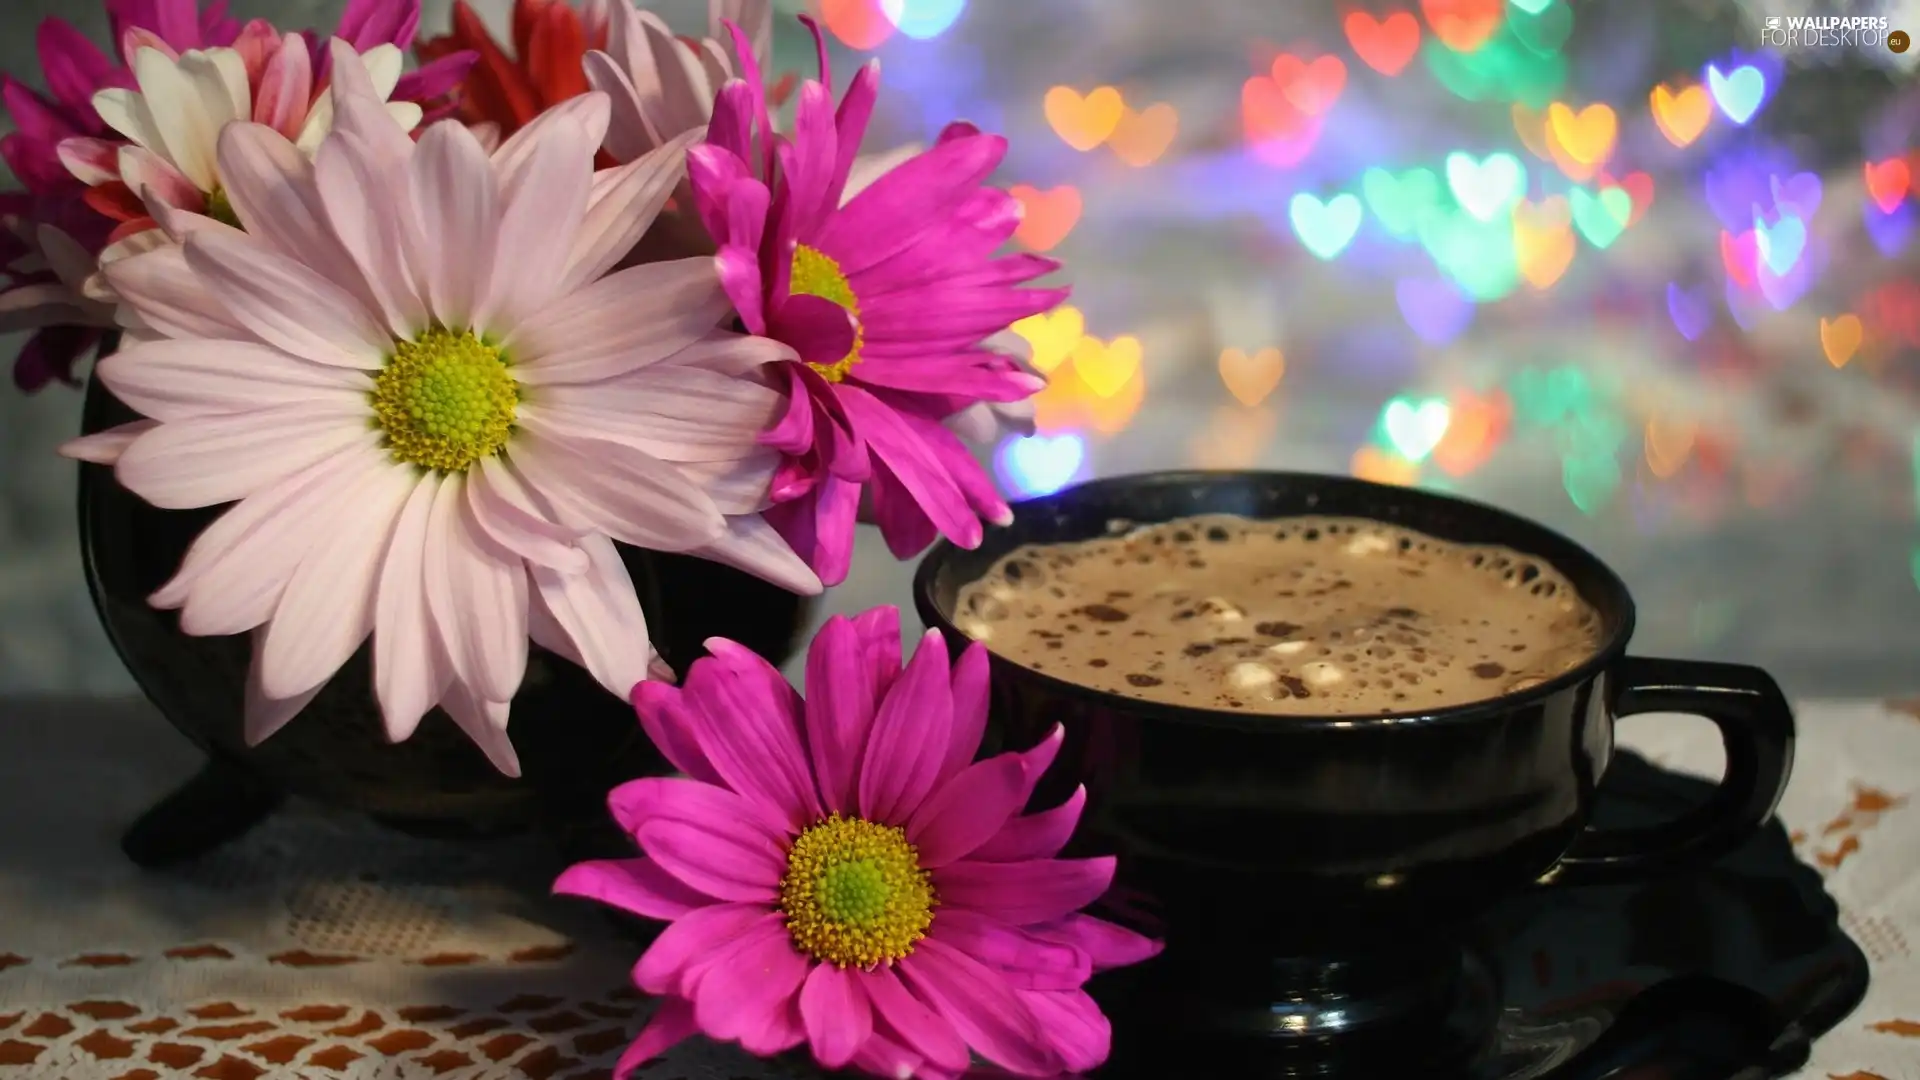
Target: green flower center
pixel 815 273
pixel 221 210
pixel 445 400
pixel 854 894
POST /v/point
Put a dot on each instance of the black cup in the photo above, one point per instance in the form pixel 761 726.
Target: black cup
pixel 1315 878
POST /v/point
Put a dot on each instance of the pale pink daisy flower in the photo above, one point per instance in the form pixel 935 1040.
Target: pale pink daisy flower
pixel 662 85
pixel 435 411
pixel 839 873
pixel 173 122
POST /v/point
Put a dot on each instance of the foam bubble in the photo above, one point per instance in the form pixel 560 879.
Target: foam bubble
pixel 1305 616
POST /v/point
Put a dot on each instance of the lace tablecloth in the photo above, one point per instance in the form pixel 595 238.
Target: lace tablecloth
pixel 324 946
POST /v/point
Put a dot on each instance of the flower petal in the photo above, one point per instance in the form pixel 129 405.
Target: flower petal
pixel 408 674
pixel 628 137
pixel 543 204
pixel 841 702
pixel 1080 1033
pixel 91 161
pixel 370 211
pixel 882 1056
pixel 919 471
pixel 739 272
pixel 972 675
pixel 105 447
pixel 125 111
pixel 477 593
pixel 880 643
pixel 821 331
pixel 837 1015
pixel 972 807
pixel 671 1024
pixel 982 1007
pixel 684 100
pixel 613 489
pixel 286 89
pixel 636 885
pixel 455 196
pixel 271 187
pixel 508 516
pixel 234 571
pixel 725 863
pixel 1024 893
pixel 665 717
pixel 188 104
pixel 261 716
pixel 1027 961
pixel 327 608
pixel 327 326
pixel 164 294
pixel 888 216
pixel 73 64
pixel 625 202
pixel 673 412
pixel 754 547
pixel 600 615
pixel 622 322
pixel 850 129
pixel 745 998
pixel 694 802
pixel 181 380
pixel 1035 836
pixel 820 526
pixel 696 936
pixel 920 1027
pixel 752 737
pixel 485 722
pixel 208 460
pixel 909 737
pixel 1108 945
pixel 585 114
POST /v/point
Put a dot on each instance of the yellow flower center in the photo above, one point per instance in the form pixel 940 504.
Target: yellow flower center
pixel 854 894
pixel 445 400
pixel 221 210
pixel 816 274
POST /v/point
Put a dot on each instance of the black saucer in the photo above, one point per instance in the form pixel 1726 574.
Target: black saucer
pixel 1726 973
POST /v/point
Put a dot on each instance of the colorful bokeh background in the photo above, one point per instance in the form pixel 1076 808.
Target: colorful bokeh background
pixel 1618 266
pixel 1624 266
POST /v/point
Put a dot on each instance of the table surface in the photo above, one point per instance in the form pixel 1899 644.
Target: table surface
pixel 321 942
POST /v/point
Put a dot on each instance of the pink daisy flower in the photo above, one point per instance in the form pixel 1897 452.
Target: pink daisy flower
pixel 40 290
pixel 887 301
pixel 840 873
pixel 434 410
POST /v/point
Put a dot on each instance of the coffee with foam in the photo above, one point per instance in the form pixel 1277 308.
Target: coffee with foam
pixel 1303 616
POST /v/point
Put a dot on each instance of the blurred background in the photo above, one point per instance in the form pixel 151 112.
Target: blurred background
pixel 1644 270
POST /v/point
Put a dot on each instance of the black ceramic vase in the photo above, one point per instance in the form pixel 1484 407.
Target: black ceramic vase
pixel 574 739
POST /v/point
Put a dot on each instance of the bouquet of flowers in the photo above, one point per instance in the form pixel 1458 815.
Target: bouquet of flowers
pixel 438 340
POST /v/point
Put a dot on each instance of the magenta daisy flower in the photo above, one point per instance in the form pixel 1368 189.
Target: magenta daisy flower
pixel 840 873
pixel 887 297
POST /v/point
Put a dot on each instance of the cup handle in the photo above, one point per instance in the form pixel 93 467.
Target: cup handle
pixel 1756 727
